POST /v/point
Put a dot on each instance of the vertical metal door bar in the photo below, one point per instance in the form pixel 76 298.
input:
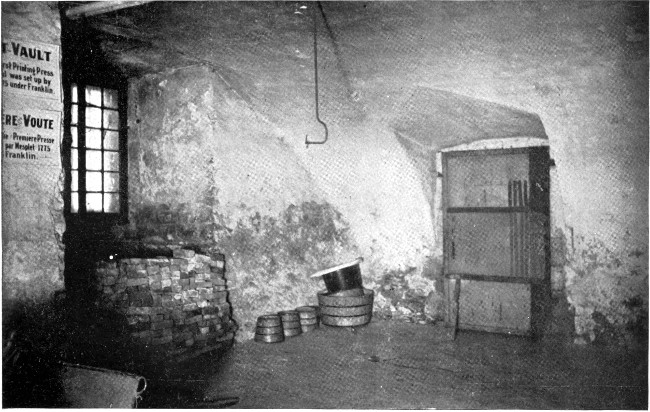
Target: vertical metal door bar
pixel 515 199
pixel 512 229
pixel 526 231
pixel 520 201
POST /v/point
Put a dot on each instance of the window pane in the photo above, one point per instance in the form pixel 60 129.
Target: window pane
pixel 93 96
pixel 112 161
pixel 97 123
pixel 75 138
pixel 111 119
pixel 111 140
pixel 110 98
pixel 94 182
pixel 74 158
pixel 74 202
pixel 111 182
pixel 93 202
pixel 93 117
pixel 93 138
pixel 111 203
pixel 93 160
pixel 74 184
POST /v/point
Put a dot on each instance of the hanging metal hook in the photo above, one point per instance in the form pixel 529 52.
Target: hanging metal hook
pixel 318 119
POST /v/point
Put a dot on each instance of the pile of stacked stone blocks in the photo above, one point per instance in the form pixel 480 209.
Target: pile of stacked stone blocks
pixel 178 304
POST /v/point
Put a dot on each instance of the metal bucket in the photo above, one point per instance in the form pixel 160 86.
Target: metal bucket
pixel 90 387
pixel 342 277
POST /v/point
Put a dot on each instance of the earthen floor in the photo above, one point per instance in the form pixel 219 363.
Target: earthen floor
pixel 394 365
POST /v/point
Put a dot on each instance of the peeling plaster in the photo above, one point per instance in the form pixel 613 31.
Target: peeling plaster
pixel 32 203
pixel 270 258
pixel 601 284
pixel 259 188
pixel 248 170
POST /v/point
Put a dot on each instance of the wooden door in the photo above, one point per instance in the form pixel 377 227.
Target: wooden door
pixel 496 236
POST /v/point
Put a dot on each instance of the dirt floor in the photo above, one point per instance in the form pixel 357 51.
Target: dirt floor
pixel 388 364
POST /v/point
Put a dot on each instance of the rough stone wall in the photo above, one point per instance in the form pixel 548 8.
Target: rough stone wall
pixel 32 204
pixel 225 175
pixel 279 210
pixel 582 67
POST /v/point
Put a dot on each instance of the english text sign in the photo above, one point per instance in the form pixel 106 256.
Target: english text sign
pixel 31 69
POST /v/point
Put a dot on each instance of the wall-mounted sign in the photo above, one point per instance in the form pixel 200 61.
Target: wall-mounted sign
pixel 30 135
pixel 31 69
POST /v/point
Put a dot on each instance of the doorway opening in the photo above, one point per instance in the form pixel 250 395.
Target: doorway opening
pixel 94 153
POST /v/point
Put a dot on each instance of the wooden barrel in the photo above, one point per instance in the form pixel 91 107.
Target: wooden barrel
pixel 309 328
pixel 269 329
pixel 349 292
pixel 292 332
pixel 347 320
pixel 317 309
pixel 346 310
pixel 269 338
pixel 270 319
pixel 324 299
pixel 307 312
pixel 289 315
pixel 310 322
pixel 308 318
pixel 290 322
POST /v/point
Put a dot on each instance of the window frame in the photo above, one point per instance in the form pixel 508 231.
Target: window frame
pixel 121 87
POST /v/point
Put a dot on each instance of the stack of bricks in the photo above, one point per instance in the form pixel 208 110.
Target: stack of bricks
pixel 177 305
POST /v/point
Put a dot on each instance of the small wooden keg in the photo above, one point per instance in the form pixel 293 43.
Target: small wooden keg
pixel 346 310
pixel 290 322
pixel 269 329
pixel 308 318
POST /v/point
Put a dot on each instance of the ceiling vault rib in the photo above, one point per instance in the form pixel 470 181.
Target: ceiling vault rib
pixel 101 7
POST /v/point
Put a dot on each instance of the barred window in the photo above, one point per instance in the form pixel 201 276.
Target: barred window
pixel 97 150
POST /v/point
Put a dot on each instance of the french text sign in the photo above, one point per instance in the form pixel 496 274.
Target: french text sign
pixel 30 135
